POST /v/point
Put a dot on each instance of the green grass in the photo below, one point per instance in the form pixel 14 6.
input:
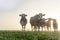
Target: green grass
pixel 21 35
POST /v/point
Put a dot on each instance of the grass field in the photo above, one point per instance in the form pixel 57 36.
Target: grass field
pixel 21 35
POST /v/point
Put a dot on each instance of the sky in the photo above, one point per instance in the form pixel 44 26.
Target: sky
pixel 10 10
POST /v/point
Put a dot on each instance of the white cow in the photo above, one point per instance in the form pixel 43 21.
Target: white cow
pixel 23 21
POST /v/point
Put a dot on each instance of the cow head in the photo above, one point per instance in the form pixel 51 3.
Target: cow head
pixel 41 15
pixel 23 15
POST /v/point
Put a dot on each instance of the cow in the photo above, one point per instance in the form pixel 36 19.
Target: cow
pixel 55 25
pixel 34 21
pixel 23 21
pixel 42 24
pixel 49 24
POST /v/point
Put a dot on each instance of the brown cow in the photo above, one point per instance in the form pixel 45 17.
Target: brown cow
pixel 55 25
pixel 49 24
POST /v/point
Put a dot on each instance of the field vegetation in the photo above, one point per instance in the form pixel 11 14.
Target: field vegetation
pixel 29 35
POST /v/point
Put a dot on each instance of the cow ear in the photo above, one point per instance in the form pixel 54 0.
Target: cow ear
pixel 46 19
pixel 25 15
pixel 43 14
pixel 20 15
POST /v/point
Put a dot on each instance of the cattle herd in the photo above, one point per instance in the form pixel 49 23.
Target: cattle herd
pixel 39 22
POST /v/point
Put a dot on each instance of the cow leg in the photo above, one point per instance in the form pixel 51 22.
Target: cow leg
pixel 22 27
pixel 32 27
pixel 38 28
pixel 47 28
pixel 35 28
pixel 42 28
pixel 55 29
pixel 50 28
